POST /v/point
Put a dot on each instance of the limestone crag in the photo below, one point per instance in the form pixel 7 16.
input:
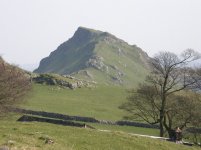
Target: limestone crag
pixel 96 62
pixel 62 81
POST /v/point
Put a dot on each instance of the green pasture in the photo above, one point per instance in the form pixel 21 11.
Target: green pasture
pixel 33 136
pixel 101 102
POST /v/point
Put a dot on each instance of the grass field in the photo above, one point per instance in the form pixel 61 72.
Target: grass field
pixel 101 102
pixel 127 129
pixel 32 136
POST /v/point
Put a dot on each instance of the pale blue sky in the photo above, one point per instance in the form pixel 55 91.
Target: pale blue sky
pixel 31 29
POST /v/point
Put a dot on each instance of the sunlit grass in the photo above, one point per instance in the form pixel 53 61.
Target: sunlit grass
pixel 32 136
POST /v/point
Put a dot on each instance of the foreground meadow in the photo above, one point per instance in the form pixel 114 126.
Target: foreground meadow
pixel 35 136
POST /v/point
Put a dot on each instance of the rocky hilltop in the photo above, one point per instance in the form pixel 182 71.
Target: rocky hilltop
pixel 97 56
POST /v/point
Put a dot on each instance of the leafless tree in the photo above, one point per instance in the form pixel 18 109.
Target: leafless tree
pixel 182 109
pixel 170 75
pixel 13 85
pixel 197 78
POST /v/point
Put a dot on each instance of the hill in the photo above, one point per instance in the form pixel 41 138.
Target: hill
pixel 97 56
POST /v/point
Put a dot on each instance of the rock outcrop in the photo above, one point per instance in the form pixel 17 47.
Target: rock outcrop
pixel 62 81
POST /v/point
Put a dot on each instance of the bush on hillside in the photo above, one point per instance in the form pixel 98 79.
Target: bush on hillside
pixel 14 83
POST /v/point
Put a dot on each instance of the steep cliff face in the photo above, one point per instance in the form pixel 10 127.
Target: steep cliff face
pixel 70 55
pixel 97 56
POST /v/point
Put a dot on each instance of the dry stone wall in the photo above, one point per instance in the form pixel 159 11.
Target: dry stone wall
pixel 83 119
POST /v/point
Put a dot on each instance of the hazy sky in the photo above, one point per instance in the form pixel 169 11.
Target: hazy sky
pixel 31 29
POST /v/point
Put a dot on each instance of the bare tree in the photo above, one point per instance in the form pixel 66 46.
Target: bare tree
pixel 181 109
pixel 197 78
pixel 170 75
pixel 13 85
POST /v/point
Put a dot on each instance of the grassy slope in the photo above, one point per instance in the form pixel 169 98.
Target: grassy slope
pixel 30 136
pixel 127 129
pixel 128 62
pixel 101 102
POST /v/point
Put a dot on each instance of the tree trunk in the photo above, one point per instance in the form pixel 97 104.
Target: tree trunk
pixel 161 123
pixel 162 115
pixel 172 134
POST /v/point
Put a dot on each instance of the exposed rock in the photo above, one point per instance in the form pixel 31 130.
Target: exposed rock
pixel 80 84
pixel 69 76
pixel 49 79
pixel 63 83
pixel 94 82
pixel 49 141
pixel 88 74
pixel 120 52
pixel 97 62
pixel 114 67
pixel 46 139
pixel 120 74
pixel 73 85
pixel 107 69
pixel 44 79
pixel 117 79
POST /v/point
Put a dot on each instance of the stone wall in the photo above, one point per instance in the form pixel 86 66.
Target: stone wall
pixel 26 118
pixel 55 115
pixel 83 119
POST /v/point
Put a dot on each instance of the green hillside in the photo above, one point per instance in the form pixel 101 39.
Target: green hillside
pixel 97 56
pixel 101 102
pixel 33 136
